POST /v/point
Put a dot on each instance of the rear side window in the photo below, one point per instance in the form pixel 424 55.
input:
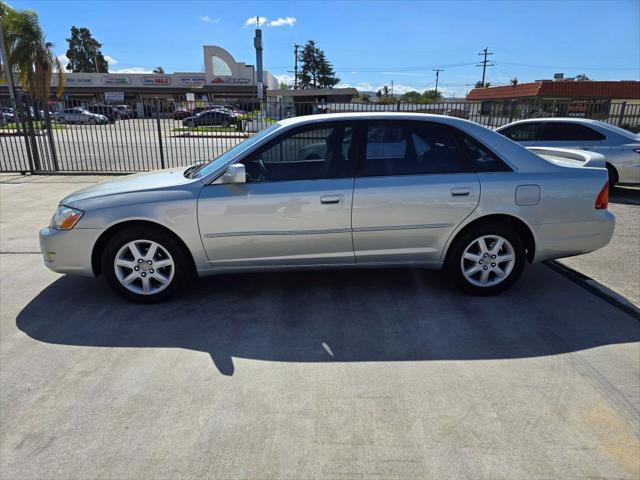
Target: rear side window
pixel 481 159
pixel 525 132
pixel 559 131
pixel 398 148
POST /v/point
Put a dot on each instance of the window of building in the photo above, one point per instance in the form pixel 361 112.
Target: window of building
pixel 410 149
pixel 220 67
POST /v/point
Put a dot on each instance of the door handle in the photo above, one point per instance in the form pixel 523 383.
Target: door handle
pixel 460 192
pixel 331 199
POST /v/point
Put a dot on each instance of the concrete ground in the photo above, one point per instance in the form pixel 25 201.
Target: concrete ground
pixel 618 264
pixel 357 374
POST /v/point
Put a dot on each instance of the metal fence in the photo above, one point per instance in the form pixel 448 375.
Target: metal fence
pixel 89 137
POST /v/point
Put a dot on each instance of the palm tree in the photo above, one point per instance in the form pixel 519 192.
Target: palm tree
pixel 158 70
pixel 29 54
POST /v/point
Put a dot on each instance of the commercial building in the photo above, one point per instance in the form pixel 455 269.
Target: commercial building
pixel 224 80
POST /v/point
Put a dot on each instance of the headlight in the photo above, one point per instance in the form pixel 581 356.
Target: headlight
pixel 66 218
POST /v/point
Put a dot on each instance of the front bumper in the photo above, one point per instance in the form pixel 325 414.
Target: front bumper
pixel 69 251
pixel 557 240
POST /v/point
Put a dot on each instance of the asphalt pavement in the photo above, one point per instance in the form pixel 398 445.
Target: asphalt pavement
pixel 300 375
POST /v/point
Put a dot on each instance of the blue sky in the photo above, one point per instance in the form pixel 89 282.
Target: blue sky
pixel 370 43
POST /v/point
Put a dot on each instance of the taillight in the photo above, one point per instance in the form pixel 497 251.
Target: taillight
pixel 602 202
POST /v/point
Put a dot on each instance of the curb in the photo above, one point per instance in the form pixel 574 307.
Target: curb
pixel 595 287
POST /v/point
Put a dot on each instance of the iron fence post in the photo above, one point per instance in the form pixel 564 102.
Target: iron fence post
pixel 623 107
pixel 159 133
pixel 30 136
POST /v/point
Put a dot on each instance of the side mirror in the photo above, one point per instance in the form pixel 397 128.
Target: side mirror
pixel 234 174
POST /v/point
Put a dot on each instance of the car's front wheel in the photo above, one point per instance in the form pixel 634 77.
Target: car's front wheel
pixel 487 259
pixel 145 265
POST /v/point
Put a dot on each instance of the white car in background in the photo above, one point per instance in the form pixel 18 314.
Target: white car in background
pixel 80 115
pixel 620 147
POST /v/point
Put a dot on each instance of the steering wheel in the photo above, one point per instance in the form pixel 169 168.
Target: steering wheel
pixel 258 171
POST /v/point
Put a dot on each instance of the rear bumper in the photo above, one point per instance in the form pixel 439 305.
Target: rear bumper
pixel 68 251
pixel 557 240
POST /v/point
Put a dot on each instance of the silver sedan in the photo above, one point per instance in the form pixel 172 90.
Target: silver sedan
pixel 339 190
pixel 620 147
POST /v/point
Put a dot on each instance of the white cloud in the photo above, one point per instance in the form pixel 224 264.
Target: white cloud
pixel 282 21
pixel 208 19
pixel 64 61
pixel 255 21
pixel 110 60
pixel 285 78
pixel 133 70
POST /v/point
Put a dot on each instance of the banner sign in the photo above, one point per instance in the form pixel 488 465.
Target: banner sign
pixel 192 81
pixel 231 80
pixel 115 80
pixel 114 97
pixel 156 80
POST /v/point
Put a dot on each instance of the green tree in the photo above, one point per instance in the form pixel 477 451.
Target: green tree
pixel 582 77
pixel 158 70
pixel 384 96
pixel 411 97
pixel 480 85
pixel 84 53
pixel 29 54
pixel 430 96
pixel 316 71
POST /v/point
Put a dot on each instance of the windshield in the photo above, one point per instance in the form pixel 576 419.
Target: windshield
pixel 621 131
pixel 215 164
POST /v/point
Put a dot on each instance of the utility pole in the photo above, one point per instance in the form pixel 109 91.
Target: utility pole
pixel 485 63
pixel 295 68
pixel 437 70
pixel 392 88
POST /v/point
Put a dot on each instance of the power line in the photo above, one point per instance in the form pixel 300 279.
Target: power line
pixel 485 63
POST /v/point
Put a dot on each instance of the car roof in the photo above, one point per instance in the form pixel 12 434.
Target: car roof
pixel 327 117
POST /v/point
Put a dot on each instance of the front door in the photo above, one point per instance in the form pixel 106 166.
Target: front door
pixel 295 208
pixel 411 192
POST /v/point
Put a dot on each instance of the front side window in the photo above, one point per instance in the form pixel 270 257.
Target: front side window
pixel 559 131
pixel 308 154
pixel 527 132
pixel 410 149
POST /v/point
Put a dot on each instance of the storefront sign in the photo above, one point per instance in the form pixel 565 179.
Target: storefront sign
pixel 156 80
pixel 231 80
pixel 115 80
pixel 79 81
pixel 192 81
pixel 114 97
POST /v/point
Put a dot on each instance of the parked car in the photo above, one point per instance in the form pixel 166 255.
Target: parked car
pixel 620 147
pixel 80 115
pixel 221 117
pixel 125 112
pixel 181 114
pixel 8 114
pixel 107 110
pixel 406 192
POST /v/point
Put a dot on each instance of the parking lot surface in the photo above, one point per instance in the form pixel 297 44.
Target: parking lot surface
pixel 328 375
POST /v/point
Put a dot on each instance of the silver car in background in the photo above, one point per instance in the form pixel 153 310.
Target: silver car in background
pixel 372 190
pixel 620 147
pixel 80 115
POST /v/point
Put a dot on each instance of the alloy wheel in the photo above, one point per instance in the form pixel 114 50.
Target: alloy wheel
pixel 487 261
pixel 144 267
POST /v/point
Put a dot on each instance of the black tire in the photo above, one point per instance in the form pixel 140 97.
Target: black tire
pixel 454 266
pixel 225 123
pixel 182 265
pixel 613 177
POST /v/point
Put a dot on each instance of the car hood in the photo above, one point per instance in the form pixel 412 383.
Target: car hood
pixel 130 183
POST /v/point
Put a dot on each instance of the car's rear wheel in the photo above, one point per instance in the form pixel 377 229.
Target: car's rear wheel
pixel 613 176
pixel 225 123
pixel 487 259
pixel 145 265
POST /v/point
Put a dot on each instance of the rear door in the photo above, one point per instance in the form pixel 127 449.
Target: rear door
pixel 413 187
